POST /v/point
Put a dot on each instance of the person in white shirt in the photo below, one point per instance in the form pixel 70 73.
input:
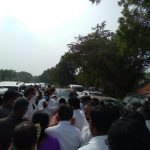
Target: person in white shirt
pixel 101 119
pixel 85 132
pixel 69 136
pixel 47 104
pixel 29 93
pixel 79 118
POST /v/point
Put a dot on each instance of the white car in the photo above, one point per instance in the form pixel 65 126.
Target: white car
pixel 92 93
pixel 77 88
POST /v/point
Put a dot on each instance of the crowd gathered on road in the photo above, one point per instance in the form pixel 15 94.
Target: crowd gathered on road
pixel 36 120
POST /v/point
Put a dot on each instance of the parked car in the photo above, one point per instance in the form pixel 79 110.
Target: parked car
pixel 63 93
pixel 136 98
pixel 77 88
pixel 92 93
pixel 18 86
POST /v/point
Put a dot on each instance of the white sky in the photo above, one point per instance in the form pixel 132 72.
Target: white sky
pixel 34 33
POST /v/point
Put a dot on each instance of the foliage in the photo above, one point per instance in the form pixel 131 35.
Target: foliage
pixel 7 75
pixel 11 75
pixel 63 73
pixel 113 61
pixel 24 76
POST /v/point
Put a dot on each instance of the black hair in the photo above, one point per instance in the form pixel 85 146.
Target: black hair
pixel 129 134
pixel 43 119
pixel 20 103
pixel 103 117
pixel 62 101
pixel 133 115
pixel 73 94
pixel 29 90
pixel 74 102
pixel 9 95
pixel 95 101
pixel 25 136
pixel 65 112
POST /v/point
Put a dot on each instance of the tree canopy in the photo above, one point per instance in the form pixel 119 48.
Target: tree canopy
pixel 114 61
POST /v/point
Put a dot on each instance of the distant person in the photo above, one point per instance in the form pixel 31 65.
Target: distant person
pixel 129 134
pixel 101 119
pixel 95 101
pixel 45 142
pixel 7 124
pixel 29 93
pixel 8 101
pixel 47 104
pixel 38 97
pixel 85 132
pixel 54 119
pixel 25 136
pixel 62 101
pixel 69 136
pixel 84 100
pixel 74 102
pixel 73 93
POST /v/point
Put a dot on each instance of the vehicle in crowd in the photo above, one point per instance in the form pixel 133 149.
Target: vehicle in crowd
pixel 77 88
pixel 42 85
pixel 17 86
pixel 92 93
pixel 63 93
pixel 136 98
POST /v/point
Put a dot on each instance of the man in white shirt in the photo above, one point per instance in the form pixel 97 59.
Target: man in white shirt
pixel 85 132
pixel 47 104
pixel 101 119
pixel 69 136
pixel 79 118
pixel 29 93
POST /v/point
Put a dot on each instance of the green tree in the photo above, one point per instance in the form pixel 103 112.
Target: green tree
pixel 24 76
pixel 8 75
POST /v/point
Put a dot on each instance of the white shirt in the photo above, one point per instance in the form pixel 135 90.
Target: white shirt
pixel 32 108
pixel 147 124
pixel 96 143
pixel 79 119
pixel 85 134
pixel 69 136
pixel 51 106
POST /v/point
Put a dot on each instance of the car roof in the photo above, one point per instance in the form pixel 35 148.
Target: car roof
pixel 11 83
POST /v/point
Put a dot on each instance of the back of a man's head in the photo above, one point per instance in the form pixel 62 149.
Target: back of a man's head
pixel 102 118
pixel 25 136
pixel 129 134
pixel 42 118
pixel 74 102
pixel 10 95
pixel 65 113
pixel 20 106
pixel 29 91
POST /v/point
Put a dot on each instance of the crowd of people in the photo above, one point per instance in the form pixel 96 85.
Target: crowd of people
pixel 38 121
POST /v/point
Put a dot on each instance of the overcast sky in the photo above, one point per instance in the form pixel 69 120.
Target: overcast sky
pixel 34 33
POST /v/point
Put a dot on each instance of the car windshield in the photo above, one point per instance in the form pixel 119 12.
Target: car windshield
pixel 63 93
pixel 78 89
